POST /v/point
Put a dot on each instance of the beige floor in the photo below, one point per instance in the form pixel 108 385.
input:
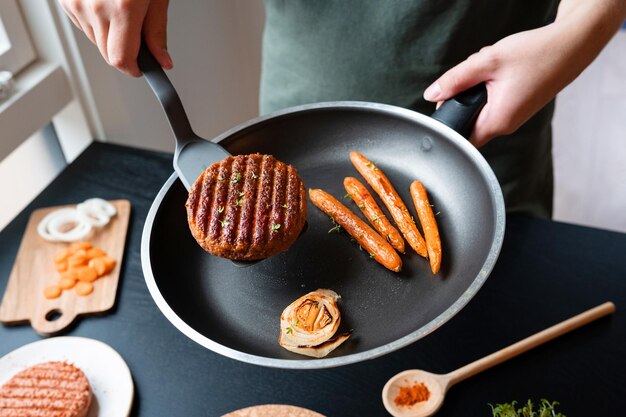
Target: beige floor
pixel 590 143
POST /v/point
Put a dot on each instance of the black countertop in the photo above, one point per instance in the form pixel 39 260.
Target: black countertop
pixel 546 272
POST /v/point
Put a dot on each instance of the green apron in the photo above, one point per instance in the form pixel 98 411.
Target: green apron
pixel 389 52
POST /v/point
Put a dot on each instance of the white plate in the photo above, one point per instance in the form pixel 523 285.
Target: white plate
pixel 108 374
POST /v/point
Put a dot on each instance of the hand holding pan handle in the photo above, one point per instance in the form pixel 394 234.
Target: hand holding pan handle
pixel 193 153
pixel 461 111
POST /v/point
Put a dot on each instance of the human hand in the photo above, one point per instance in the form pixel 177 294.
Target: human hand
pixel 522 72
pixel 117 28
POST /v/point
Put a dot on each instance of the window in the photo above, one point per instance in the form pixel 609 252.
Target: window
pixel 37 48
pixel 16 49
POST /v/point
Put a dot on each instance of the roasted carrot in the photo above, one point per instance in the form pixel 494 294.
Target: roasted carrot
pixel 374 214
pixel 381 184
pixel 372 242
pixel 429 225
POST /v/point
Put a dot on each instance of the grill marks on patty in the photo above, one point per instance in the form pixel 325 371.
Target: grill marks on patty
pixel 247 207
pixel 50 389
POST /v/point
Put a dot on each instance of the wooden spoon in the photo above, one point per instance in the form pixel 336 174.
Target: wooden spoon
pixel 438 384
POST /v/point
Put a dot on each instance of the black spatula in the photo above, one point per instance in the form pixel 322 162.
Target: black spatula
pixel 193 154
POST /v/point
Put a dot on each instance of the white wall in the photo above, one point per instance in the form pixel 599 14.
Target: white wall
pixel 590 143
pixel 216 48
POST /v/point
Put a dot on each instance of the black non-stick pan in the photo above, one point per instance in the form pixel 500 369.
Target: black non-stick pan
pixel 235 311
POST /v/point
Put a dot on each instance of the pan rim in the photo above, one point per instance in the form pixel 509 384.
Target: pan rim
pixel 465 146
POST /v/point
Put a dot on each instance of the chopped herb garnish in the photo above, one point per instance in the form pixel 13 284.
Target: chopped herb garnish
pixel 348 196
pixel 371 166
pixel 330 214
pixel 372 255
pixel 253 176
pixel 360 235
pixel 352 239
pixel 239 202
pixel 545 409
pixel 285 206
pixel 375 218
pixel 241 194
pixel 236 178
pixel 220 178
pixel 224 223
pixel 220 209
pixel 361 206
pixel 337 229
pixel 289 330
pixel 438 213
pixel 275 227
pixel 360 247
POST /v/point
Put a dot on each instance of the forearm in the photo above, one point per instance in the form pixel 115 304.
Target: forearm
pixel 584 28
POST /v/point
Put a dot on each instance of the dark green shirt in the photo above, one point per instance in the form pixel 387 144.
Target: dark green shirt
pixel 389 51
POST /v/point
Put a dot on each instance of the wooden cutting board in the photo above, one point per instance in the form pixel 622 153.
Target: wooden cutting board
pixel 34 270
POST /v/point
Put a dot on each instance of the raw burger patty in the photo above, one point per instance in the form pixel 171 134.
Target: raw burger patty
pixel 247 207
pixel 50 389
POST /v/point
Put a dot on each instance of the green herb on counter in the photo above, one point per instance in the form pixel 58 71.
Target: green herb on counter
pixel 544 409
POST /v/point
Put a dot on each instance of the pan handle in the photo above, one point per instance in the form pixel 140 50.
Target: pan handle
pixel 167 96
pixel 461 111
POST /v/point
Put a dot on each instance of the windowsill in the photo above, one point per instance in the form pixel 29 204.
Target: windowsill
pixel 40 91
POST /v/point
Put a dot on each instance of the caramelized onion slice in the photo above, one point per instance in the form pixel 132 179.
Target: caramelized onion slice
pixel 308 324
pixel 321 350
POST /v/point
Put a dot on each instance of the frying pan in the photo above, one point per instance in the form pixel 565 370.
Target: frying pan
pixel 236 311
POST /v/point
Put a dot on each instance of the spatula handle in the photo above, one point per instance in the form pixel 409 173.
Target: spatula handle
pixel 167 96
pixel 530 342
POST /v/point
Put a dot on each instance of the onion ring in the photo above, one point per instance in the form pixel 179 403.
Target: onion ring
pixel 307 325
pixel 50 227
pixel 101 205
pixel 92 212
pixel 94 215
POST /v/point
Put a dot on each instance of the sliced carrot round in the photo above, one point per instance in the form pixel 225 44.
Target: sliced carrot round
pixel 96 253
pixel 86 274
pixel 83 288
pixel 52 291
pixel 99 265
pixel 67 283
pixel 109 262
pixel 80 245
pixel 61 266
pixel 61 255
pixel 76 260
